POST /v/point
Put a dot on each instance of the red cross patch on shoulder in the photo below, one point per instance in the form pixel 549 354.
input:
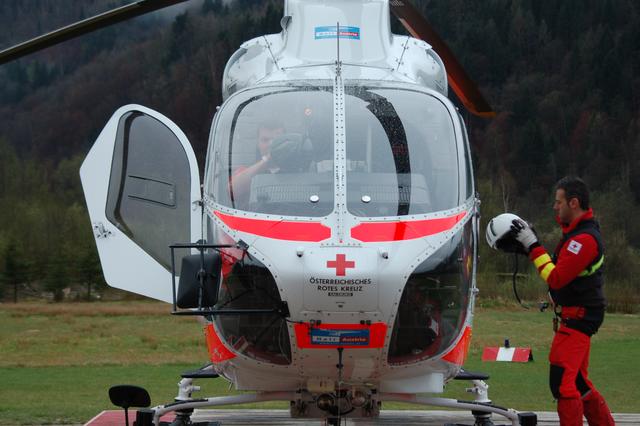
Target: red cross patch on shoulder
pixel 574 247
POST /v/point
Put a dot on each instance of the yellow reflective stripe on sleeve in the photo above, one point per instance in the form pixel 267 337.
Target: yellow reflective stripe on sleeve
pixel 541 260
pixel 593 269
pixel 546 271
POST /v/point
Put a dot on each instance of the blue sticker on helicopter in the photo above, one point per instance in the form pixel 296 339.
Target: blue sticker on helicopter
pixel 331 31
pixel 320 336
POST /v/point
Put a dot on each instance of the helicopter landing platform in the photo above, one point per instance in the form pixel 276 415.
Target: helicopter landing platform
pixel 387 417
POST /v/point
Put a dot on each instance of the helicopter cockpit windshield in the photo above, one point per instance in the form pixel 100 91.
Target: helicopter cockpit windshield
pixel 274 151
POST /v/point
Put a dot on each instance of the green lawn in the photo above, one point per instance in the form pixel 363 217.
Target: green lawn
pixel 57 361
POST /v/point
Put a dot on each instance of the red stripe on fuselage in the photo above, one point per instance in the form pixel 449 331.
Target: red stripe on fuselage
pixel 367 232
pixel 218 352
pixel 458 354
pixel 372 232
pixel 277 229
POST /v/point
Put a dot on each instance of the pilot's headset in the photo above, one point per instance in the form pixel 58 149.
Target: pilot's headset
pixel 500 236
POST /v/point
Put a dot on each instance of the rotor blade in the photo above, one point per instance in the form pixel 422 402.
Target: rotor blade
pixel 460 82
pixel 83 27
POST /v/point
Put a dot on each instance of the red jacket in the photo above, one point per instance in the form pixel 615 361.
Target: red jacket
pixel 574 256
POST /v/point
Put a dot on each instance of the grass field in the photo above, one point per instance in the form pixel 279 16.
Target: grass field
pixel 58 360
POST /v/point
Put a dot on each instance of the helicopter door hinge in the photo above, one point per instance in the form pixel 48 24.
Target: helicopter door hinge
pixel 99 230
pixel 197 204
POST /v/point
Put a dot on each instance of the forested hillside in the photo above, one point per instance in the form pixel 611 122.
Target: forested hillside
pixel 562 76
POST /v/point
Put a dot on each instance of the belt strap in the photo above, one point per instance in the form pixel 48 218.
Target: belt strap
pixel 573 312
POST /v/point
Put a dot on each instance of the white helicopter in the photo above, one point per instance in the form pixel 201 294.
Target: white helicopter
pixel 332 246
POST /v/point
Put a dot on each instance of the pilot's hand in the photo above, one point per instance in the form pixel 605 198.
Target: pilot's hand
pixel 524 234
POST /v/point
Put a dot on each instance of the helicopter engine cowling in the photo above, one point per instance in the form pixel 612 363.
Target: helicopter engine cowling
pixel 365 40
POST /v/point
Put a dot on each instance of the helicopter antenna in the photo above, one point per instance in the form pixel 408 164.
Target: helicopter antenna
pixel 273 57
pixel 338 63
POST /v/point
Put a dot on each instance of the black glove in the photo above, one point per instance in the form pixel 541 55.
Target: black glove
pixel 291 152
pixel 509 244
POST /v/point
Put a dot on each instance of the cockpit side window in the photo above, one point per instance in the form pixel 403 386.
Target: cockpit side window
pixel 467 160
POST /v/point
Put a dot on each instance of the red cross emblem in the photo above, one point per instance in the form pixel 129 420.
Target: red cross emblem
pixel 341 264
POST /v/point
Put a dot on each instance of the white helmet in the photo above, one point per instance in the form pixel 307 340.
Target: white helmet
pixel 499 234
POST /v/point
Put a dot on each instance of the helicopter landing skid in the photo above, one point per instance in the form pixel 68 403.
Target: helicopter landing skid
pixel 481 407
pixel 184 408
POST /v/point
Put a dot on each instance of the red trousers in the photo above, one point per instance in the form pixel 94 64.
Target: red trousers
pixel 569 382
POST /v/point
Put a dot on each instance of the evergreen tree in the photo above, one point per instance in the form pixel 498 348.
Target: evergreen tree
pixel 90 271
pixel 57 276
pixel 14 269
pixel 212 6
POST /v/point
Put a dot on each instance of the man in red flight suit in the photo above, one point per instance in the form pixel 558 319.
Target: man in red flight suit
pixel 574 276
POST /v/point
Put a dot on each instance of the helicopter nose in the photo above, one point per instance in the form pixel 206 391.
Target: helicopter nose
pixel 342 279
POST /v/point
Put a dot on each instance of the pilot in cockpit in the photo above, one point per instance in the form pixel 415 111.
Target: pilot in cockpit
pixel 241 179
pixel 276 152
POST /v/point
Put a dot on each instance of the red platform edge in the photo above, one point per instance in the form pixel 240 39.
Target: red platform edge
pixel 507 354
pixel 116 418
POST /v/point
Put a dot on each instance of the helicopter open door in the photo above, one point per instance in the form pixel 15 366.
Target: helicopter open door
pixel 142 187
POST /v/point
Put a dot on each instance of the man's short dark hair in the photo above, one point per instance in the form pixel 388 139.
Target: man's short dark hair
pixel 574 187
